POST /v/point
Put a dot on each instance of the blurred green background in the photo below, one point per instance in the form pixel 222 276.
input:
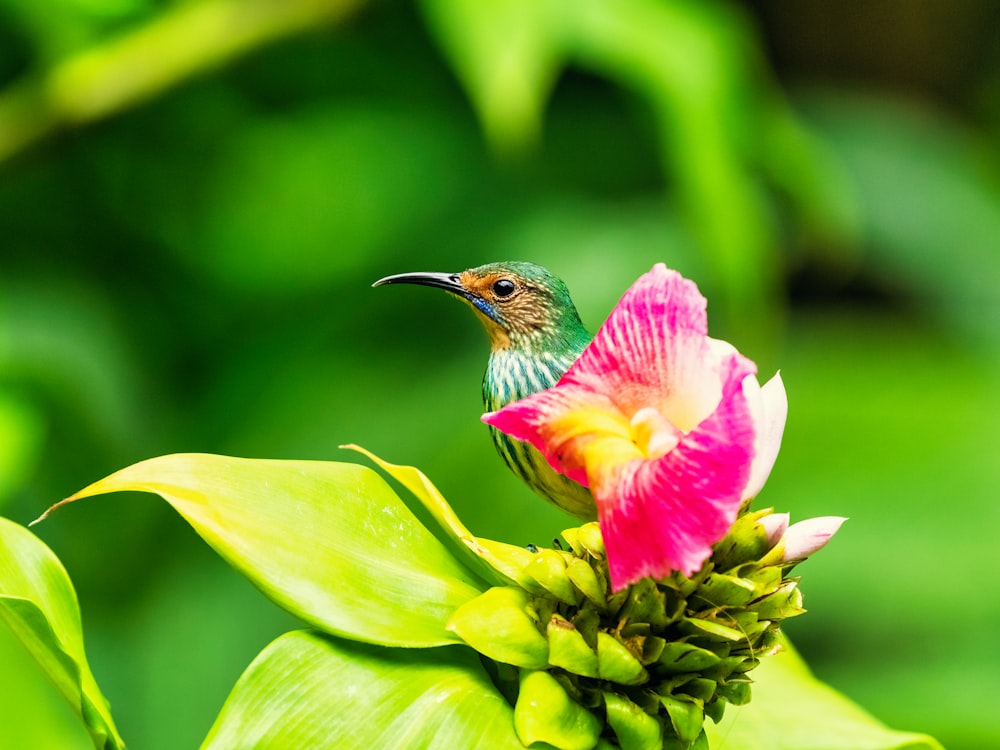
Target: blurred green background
pixel 196 196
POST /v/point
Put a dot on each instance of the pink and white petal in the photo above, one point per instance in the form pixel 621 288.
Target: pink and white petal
pixel 653 351
pixel 806 537
pixel 560 422
pixel 769 406
pixel 662 515
pixel 774 525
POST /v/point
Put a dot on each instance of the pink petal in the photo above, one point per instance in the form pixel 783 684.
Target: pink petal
pixel 653 350
pixel 541 419
pixel 770 410
pixel 665 514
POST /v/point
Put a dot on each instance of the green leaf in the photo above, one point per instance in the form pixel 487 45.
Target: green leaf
pixel 424 490
pixel 691 63
pixel 503 563
pixel 181 41
pixel 329 542
pixel 33 714
pixel 792 710
pixel 508 55
pixel 38 604
pixel 308 690
pixel 431 498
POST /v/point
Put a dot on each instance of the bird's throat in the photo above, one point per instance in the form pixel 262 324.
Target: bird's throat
pixel 499 338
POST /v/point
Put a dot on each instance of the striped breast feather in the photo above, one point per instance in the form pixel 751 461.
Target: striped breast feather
pixel 513 375
pixel 531 467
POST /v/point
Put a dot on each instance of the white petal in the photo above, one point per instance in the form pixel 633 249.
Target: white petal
pixel 806 537
pixel 769 406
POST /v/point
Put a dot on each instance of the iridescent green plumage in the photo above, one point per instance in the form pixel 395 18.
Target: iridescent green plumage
pixel 535 335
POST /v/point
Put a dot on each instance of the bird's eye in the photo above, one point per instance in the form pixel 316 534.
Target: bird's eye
pixel 503 288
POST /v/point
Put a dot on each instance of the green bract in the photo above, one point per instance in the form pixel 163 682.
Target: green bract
pixel 400 615
pixel 650 662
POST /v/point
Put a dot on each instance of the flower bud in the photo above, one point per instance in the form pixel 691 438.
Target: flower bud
pixel 750 624
pixel 572 537
pixel 509 560
pixel 586 580
pixel 686 716
pixel 635 729
pixel 711 629
pixel 568 648
pixel 644 602
pixel 700 688
pixel 679 656
pixel 774 525
pixel 616 663
pixel 589 537
pixel 545 713
pixel 765 579
pixel 806 537
pixel 724 590
pixel 548 567
pixel 650 660
pixel 497 623
pixel 746 541
pixel 736 691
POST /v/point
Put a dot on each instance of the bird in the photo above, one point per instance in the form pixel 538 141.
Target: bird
pixel 535 334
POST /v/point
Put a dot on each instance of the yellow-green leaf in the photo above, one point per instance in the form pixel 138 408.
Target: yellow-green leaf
pixel 306 690
pixel 507 55
pixel 329 542
pixel 792 710
pixel 504 563
pixel 38 604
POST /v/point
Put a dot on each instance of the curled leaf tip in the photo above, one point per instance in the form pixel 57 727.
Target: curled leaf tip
pixel 51 508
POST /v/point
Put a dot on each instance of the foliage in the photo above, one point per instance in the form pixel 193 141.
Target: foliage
pixel 191 273
pixel 38 604
pixel 309 535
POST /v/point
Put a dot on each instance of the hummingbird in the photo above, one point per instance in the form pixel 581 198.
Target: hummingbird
pixel 535 334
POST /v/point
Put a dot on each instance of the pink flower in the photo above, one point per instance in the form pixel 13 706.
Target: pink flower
pixel 666 426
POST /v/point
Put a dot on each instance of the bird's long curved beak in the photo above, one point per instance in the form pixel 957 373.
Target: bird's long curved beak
pixel 447 281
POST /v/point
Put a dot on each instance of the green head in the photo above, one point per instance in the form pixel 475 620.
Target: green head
pixel 522 306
